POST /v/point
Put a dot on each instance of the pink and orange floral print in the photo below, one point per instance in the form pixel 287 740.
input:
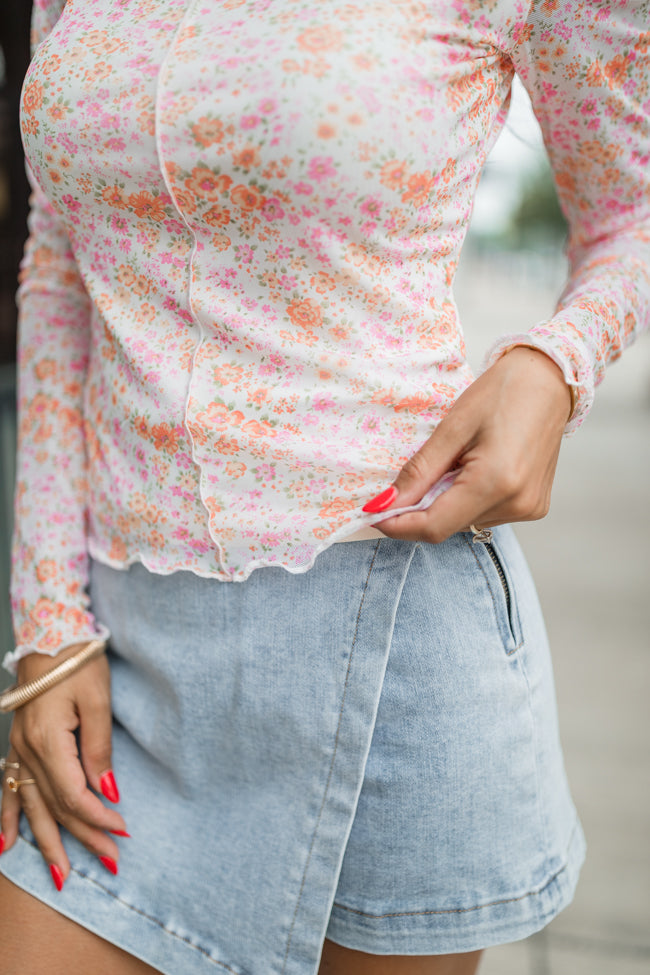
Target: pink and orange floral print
pixel 237 318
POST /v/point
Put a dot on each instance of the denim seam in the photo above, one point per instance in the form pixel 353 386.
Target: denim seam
pixel 538 779
pixel 331 768
pixel 494 604
pixel 466 910
pixel 138 910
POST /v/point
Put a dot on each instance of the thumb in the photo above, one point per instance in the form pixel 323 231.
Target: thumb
pixel 438 455
pixel 95 742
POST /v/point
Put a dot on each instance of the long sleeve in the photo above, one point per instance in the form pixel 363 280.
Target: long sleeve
pixel 50 566
pixel 586 66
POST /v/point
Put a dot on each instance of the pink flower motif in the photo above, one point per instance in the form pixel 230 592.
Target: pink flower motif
pixel 72 204
pixel 321 168
pixel 249 121
pixel 272 210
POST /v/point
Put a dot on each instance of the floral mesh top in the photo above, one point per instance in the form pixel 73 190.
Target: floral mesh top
pixel 237 319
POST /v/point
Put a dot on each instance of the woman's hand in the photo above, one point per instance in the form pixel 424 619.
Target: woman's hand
pixel 504 434
pixel 44 741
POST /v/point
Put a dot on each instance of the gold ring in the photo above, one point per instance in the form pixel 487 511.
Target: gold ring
pixel 14 784
pixel 481 534
pixel 4 764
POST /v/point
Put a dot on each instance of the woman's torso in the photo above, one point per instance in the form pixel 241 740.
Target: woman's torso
pixel 266 202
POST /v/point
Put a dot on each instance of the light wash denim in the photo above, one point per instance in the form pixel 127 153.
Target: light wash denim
pixel 368 752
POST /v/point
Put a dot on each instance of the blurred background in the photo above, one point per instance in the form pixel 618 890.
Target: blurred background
pixel 590 556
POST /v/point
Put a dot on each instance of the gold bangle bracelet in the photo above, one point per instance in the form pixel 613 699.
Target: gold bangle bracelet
pixel 20 694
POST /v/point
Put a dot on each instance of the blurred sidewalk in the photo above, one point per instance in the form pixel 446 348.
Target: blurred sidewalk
pixel 590 558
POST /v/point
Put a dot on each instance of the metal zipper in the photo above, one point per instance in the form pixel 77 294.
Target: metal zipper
pixel 497 565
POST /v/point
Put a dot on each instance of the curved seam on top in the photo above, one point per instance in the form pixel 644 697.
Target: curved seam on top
pixel 331 768
pixel 189 12
pixel 148 917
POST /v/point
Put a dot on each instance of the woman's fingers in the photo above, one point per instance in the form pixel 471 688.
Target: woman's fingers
pixel 95 737
pixel 10 813
pixel 504 435
pixel 41 822
pixel 52 754
pixel 44 733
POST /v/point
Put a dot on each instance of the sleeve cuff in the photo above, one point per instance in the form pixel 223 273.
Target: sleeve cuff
pixel 582 389
pixel 11 659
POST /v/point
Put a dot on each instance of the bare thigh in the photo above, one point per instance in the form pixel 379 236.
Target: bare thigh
pixel 62 947
pixel 343 961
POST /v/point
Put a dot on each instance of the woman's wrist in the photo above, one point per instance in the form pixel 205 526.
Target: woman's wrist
pixel 26 690
pixel 33 665
pixel 565 391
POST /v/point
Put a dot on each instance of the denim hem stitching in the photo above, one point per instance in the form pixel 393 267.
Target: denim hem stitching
pixel 466 910
pixel 138 910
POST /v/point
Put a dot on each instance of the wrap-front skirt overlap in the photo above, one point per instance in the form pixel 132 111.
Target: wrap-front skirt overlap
pixel 367 751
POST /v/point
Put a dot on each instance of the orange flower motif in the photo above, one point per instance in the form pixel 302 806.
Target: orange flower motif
pixel 306 314
pixel 141 286
pixel 45 612
pixel 337 506
pixel 206 131
pixel 165 438
pixel 449 171
pixel 258 428
pixel 247 198
pixel 125 275
pixel 32 97
pixel 45 368
pixel 319 39
pixel 322 282
pixel 616 70
pixel 416 404
pixel 225 446
pixel 46 569
pixel 74 618
pixel 217 216
pixel 114 196
pixel 50 641
pixel 144 204
pixel 118 550
pixel 221 242
pixel 247 158
pixel 420 188
pixel 206 184
pixel 57 112
pixel 227 374
pixel 186 202
pixel 101 41
pixel 141 425
pixel 594 76
pixel 393 174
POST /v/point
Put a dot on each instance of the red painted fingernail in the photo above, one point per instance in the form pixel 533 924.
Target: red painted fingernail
pixel 109 787
pixel 2 843
pixel 109 863
pixel 381 502
pixel 57 876
pixel 120 832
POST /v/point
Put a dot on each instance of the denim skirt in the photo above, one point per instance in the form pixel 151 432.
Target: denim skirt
pixel 366 752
